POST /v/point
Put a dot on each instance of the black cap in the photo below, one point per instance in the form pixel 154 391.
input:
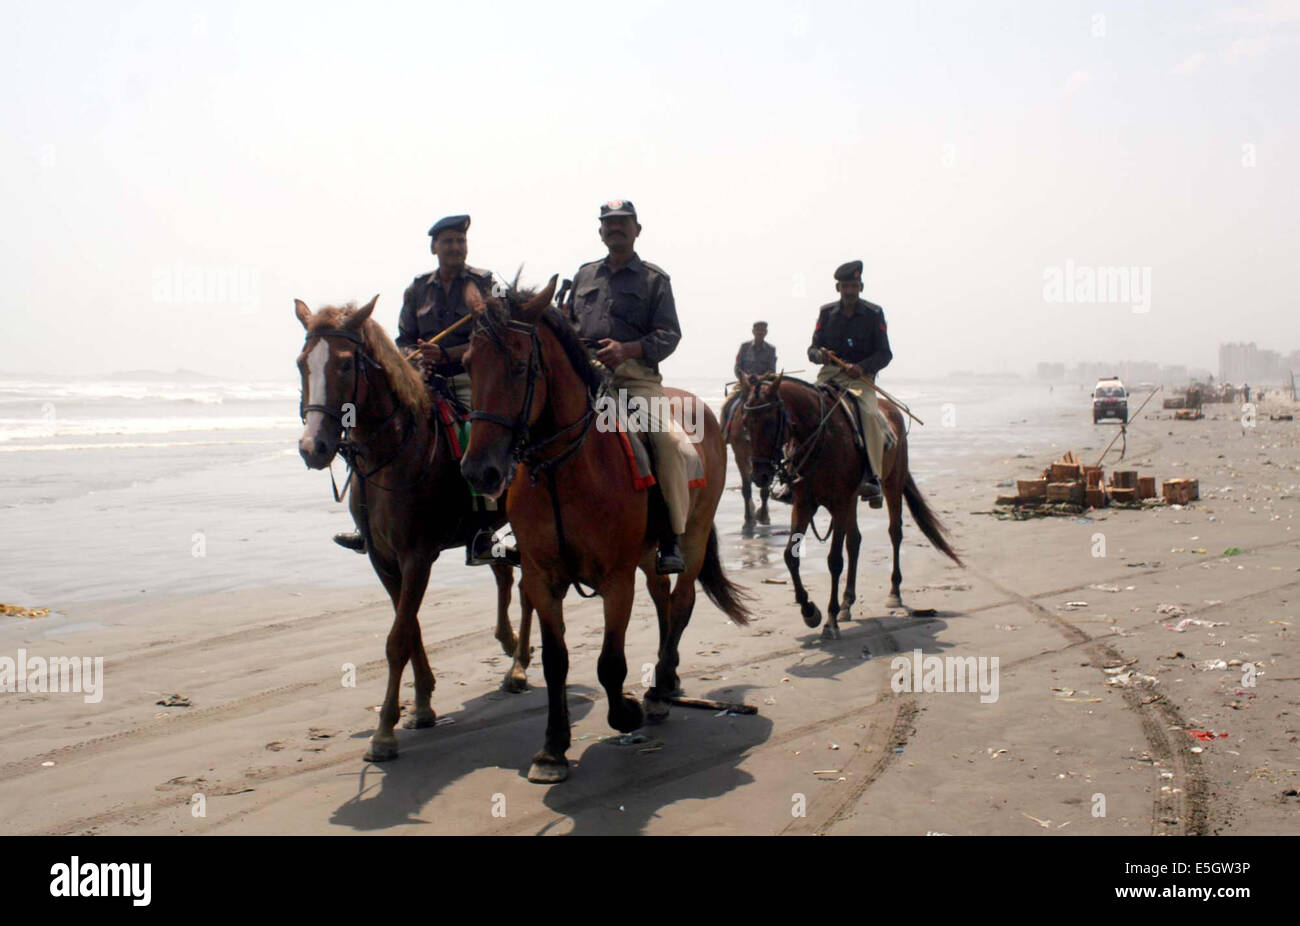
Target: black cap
pixel 850 271
pixel 458 223
pixel 757 324
pixel 617 207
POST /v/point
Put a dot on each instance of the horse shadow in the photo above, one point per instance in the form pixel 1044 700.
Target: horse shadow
pixel 625 786
pixel 867 638
pixel 428 763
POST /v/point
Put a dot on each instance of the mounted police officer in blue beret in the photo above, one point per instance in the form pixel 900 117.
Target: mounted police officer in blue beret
pixel 855 330
pixel 432 303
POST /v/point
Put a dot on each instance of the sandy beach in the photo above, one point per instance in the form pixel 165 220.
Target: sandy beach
pixel 272 737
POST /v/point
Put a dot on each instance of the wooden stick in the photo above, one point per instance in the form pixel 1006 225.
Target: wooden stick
pixel 441 334
pixel 1124 427
pixel 844 366
pixel 708 705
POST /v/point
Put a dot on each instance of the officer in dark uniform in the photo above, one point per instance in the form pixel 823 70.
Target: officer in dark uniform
pixel 855 330
pixel 625 305
pixel 756 357
pixel 433 302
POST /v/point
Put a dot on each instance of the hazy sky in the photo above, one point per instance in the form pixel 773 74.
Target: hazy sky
pixel 962 150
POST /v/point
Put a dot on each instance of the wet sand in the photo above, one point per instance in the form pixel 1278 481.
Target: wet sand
pixel 273 740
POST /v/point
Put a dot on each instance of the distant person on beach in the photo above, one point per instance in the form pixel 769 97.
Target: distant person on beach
pixel 1246 387
pixel 854 330
pixel 756 357
pixel 625 306
pixel 433 302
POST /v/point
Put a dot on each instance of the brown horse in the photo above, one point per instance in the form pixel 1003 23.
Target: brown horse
pixel 576 513
pixel 794 426
pixel 408 497
pixel 734 430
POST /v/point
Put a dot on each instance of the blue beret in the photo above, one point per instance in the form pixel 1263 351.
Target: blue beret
pixel 455 222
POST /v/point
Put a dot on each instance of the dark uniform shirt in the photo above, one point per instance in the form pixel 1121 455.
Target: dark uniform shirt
pixel 755 359
pixel 858 338
pixel 633 303
pixel 428 308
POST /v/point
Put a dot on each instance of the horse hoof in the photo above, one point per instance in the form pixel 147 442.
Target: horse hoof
pixel 509 646
pixel 381 750
pixel 515 682
pixel 830 632
pixel 547 770
pixel 764 519
pixel 626 715
pixel 747 530
pixel 846 614
pixel 656 711
pixel 812 615
pixel 894 601
pixel 420 720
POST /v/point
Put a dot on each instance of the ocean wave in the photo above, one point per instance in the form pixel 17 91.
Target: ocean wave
pixel 19 429
pixel 137 445
pixel 27 392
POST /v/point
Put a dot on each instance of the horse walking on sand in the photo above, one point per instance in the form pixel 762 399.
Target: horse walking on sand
pixel 407 495
pixel 577 514
pixel 794 427
pixel 738 439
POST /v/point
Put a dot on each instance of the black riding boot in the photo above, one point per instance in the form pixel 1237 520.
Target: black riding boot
pixel 669 560
pixel 352 540
pixel 869 488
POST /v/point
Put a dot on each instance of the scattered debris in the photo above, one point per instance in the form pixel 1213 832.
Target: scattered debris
pixel 17 610
pixel 174 700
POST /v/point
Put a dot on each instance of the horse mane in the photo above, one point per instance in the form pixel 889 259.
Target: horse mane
pixel 511 308
pixel 403 380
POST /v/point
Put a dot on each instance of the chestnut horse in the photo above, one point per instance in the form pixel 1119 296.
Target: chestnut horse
pixel 408 497
pixel 794 426
pixel 576 513
pixel 734 431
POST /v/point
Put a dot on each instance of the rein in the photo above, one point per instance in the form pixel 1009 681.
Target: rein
pixel 526 453
pixel 789 466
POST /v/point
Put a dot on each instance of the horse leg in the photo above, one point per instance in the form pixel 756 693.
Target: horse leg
pixel 835 563
pixel 746 492
pixel 851 583
pixel 894 499
pixel 402 639
pixel 423 716
pixel 660 588
pixel 516 679
pixel 611 668
pixel 763 517
pixel 799 519
pixel 505 633
pixel 549 764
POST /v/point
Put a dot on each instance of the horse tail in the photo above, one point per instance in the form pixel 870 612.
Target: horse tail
pixel 926 519
pixel 727 595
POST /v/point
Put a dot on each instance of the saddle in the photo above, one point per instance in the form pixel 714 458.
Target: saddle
pixel 839 394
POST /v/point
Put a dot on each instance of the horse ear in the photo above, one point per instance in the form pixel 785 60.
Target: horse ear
pixel 300 309
pixel 473 298
pixel 358 318
pixel 541 300
pixel 776 383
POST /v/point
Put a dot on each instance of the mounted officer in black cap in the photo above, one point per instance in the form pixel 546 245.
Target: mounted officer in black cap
pixel 625 306
pixel 432 303
pixel 854 330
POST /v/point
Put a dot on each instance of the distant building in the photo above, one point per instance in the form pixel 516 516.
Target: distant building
pixel 1246 363
pixel 1051 372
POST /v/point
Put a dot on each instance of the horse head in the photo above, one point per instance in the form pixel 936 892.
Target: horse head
pixel 507 382
pixel 765 424
pixel 332 365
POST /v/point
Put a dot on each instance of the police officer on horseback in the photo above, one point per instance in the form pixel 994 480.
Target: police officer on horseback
pixel 624 306
pixel 432 303
pixel 854 330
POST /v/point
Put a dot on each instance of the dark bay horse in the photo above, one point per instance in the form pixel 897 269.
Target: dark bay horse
pixel 576 512
pixel 407 495
pixel 794 424
pixel 736 436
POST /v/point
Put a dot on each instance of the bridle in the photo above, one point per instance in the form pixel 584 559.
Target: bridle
pixel 524 452
pixel 351 450
pixel 788 467
pixel 521 451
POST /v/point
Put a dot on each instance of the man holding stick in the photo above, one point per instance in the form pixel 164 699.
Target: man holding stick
pixel 852 330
